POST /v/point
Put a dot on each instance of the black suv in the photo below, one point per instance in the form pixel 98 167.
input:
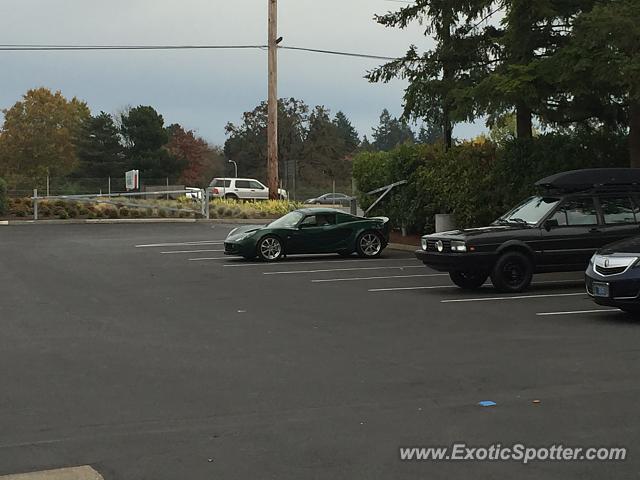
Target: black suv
pixel 577 213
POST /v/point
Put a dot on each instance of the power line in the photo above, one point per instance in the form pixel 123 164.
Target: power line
pixel 57 48
pixel 487 17
pixel 344 54
pixel 30 48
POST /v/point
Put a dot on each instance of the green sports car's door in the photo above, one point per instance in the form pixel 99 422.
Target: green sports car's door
pixel 319 233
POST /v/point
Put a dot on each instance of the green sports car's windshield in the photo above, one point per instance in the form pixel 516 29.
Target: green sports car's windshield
pixel 530 212
pixel 290 220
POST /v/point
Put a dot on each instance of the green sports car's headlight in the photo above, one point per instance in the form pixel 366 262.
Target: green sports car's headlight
pixel 243 236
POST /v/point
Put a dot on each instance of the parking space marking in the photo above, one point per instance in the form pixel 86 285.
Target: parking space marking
pixel 324 262
pixel 400 289
pixel 183 244
pixel 578 312
pixel 214 258
pixel 76 473
pixel 354 269
pixel 438 287
pixel 521 297
pixel 175 252
pixel 359 279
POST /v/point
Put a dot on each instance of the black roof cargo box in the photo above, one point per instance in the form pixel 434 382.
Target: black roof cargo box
pixel 600 179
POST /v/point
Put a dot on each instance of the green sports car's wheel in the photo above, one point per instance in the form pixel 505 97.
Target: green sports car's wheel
pixel 270 249
pixel 369 245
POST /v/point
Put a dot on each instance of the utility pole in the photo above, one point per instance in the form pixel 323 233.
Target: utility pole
pixel 272 128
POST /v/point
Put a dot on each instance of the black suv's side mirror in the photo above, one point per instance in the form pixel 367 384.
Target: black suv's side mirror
pixel 551 224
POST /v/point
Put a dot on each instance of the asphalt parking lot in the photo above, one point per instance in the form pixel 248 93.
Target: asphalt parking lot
pixel 144 352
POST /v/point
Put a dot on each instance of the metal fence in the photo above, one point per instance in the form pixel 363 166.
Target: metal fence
pixel 23 187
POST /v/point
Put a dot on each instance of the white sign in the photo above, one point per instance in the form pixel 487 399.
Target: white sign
pixel 133 179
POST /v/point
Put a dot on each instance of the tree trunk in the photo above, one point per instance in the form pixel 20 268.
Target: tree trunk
pixel 447 131
pixel 634 135
pixel 524 121
pixel 448 75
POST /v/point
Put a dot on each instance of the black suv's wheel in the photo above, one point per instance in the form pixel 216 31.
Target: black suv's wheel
pixel 512 272
pixel 469 280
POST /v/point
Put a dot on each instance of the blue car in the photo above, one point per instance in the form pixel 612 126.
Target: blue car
pixel 613 276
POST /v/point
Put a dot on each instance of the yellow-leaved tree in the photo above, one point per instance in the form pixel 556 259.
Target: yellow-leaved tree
pixel 40 134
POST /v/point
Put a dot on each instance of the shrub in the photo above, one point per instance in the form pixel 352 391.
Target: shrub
pixel 4 197
pixel 44 210
pixel 20 210
pixel 162 213
pixel 60 212
pixel 476 182
pixel 111 213
pixel 124 212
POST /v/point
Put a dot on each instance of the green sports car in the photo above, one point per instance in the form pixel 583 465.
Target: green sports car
pixel 310 230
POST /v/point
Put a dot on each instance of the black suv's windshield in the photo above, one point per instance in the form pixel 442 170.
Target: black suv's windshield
pixel 530 212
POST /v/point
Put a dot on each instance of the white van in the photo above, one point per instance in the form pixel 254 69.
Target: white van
pixel 242 189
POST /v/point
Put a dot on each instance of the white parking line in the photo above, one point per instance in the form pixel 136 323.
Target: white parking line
pixel 76 473
pixel 359 279
pixel 354 269
pixel 182 244
pixel 175 252
pixel 551 282
pixel 324 262
pixel 522 297
pixel 578 312
pixel 438 287
pixel 215 258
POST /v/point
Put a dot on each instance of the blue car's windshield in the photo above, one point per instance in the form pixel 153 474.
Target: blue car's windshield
pixel 290 220
pixel 530 212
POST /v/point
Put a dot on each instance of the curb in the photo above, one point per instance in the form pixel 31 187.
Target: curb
pixel 402 247
pixel 120 221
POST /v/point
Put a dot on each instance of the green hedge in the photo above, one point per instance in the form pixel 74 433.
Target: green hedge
pixel 477 182
pixel 4 199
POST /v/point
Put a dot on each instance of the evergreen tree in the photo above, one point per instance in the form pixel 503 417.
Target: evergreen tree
pixel 324 148
pixel 391 132
pixel 459 60
pixel 100 152
pixel 429 134
pixel 599 72
pixel 347 133
pixel 146 138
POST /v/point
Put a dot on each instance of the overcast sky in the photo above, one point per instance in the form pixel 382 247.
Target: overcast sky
pixel 203 90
